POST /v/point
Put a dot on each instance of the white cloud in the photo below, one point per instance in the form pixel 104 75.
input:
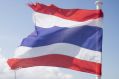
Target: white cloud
pixel 36 73
pixel 2 63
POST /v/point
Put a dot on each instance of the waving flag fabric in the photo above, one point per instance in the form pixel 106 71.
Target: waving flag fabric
pixel 68 38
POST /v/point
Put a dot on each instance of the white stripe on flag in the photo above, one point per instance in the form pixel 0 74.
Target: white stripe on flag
pixel 47 21
pixel 59 48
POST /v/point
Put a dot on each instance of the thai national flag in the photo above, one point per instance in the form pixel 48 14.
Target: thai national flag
pixel 68 38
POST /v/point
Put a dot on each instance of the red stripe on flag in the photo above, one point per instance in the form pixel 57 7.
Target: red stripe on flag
pixel 57 61
pixel 70 14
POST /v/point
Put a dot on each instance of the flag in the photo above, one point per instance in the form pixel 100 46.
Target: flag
pixel 67 38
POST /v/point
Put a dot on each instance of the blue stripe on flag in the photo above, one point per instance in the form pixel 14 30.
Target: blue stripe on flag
pixel 89 37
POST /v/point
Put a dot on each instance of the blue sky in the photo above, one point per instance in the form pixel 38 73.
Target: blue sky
pixel 16 23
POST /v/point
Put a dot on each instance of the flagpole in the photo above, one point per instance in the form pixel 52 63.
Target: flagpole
pixel 98 77
pixel 99 6
pixel 15 75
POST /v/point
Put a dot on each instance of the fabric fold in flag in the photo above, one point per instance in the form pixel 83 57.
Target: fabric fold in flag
pixel 67 38
pixel 46 36
pixel 70 14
